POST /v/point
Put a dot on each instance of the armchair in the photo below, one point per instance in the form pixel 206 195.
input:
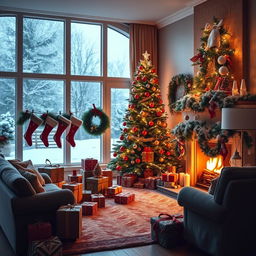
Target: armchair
pixel 223 223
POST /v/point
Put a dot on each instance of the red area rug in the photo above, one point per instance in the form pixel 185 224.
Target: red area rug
pixel 122 226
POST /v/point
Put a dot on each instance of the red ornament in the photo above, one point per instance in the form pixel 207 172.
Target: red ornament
pixel 137 160
pixel 138 78
pixel 144 133
pixel 141 68
pixel 124 123
pixel 121 137
pixel 150 123
pixel 122 148
pixel 125 158
pixel 114 154
pixel 133 83
pixel 118 168
pixel 154 80
pixel 159 113
pixel 135 129
pixel 162 110
pixel 160 101
pixel 134 90
pixel 153 70
pixel 147 94
pixel 161 151
pixel 151 104
pixel 125 130
pixel 168 153
pixel 144 79
pixel 136 96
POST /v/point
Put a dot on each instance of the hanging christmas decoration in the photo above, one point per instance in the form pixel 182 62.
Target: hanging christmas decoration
pixel 90 126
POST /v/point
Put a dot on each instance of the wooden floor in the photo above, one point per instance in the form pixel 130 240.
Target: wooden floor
pixel 149 250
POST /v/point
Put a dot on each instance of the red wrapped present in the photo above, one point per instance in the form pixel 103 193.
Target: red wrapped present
pixel 141 180
pixel 164 176
pixel 78 178
pixel 100 199
pixel 148 173
pixel 87 196
pixel 109 174
pixel 89 208
pixel 172 177
pixel 124 198
pixel 88 164
pixel 150 182
pixel 138 185
pixel 112 191
pixel 148 155
pixel 127 181
pixel 69 222
pixel 52 246
pixel 134 176
pixel 39 231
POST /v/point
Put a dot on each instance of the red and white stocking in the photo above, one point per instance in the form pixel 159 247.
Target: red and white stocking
pixel 75 124
pixel 50 123
pixel 33 124
pixel 63 125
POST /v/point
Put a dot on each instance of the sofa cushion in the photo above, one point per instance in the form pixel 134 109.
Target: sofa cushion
pixel 32 178
pixel 14 180
pixel 51 187
pixel 27 166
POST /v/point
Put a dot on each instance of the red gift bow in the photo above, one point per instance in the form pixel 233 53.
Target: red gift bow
pixel 174 218
pixel 197 57
pixel 95 111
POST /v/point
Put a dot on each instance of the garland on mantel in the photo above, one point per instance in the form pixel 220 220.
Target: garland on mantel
pixel 204 133
pixel 199 102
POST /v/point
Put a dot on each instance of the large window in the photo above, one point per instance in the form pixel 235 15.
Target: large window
pixel 62 65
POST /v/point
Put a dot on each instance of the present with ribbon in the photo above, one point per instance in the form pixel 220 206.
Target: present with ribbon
pixel 124 198
pixel 88 164
pixel 108 173
pixel 164 176
pixel 69 222
pixel 76 188
pixel 127 181
pixel 51 246
pixel 89 208
pixel 114 190
pixel 87 196
pixel 100 199
pixel 138 185
pixel 172 177
pixel 148 173
pixel 148 155
pixel 167 230
pixel 150 182
pixel 39 231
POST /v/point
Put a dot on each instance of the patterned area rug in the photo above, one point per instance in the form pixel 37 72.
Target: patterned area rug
pixel 122 226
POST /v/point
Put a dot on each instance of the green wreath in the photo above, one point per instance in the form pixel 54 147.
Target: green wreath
pixel 182 79
pixel 94 129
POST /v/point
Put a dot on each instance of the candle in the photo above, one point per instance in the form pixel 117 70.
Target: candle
pixel 181 178
pixel 186 180
pixel 243 90
pixel 235 89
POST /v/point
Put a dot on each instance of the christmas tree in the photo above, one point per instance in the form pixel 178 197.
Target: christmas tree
pixel 145 141
pixel 214 59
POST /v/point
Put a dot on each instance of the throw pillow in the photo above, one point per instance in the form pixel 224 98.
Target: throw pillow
pixel 213 185
pixel 32 178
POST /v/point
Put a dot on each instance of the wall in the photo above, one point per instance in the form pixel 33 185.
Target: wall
pixel 175 48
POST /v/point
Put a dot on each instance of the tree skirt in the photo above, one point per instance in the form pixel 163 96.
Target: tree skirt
pixel 122 226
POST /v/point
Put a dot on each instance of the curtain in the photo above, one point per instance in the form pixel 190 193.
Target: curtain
pixel 142 38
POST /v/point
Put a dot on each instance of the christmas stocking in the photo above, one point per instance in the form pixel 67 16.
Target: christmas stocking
pixel 75 124
pixel 33 124
pixel 50 123
pixel 63 125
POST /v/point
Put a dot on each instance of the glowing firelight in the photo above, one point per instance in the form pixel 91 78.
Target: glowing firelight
pixel 215 164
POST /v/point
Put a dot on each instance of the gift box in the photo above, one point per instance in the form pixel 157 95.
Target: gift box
pixel 78 178
pixel 39 231
pixel 159 182
pixel 51 247
pixel 167 230
pixel 141 180
pixel 127 181
pixel 150 182
pixel 119 180
pixel 148 155
pixel 97 185
pixel 138 185
pixel 76 188
pixel 172 177
pixel 60 184
pixel 69 222
pixel 87 196
pixel 164 176
pixel 89 208
pixel 124 198
pixel 56 173
pixel 148 173
pixel 88 164
pixel 112 191
pixel 109 174
pixel 100 199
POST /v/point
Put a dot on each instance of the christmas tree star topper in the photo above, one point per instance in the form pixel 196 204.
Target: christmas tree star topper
pixel 146 55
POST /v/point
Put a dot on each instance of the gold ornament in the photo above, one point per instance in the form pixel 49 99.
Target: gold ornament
pixel 164 124
pixel 156 142
pixel 159 123
pixel 161 159
pixel 153 88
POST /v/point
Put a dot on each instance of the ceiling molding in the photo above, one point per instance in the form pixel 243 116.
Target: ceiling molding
pixel 181 14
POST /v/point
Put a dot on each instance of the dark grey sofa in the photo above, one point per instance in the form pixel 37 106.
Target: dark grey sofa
pixel 223 223
pixel 18 207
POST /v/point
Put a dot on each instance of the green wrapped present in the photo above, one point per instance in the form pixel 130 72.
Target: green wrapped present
pixel 167 230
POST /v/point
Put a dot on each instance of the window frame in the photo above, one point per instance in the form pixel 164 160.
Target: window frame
pixel 107 82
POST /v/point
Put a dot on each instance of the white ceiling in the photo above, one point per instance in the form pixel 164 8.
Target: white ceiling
pixel 140 11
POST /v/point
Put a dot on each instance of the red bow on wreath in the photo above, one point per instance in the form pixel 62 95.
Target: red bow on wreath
pixel 95 111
